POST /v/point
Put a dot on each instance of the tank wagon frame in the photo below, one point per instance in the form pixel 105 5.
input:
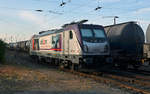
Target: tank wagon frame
pixel 146 51
pixel 74 45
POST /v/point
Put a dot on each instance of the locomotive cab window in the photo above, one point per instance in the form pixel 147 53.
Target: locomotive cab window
pixel 71 34
pixel 93 35
pixel 99 33
pixel 87 33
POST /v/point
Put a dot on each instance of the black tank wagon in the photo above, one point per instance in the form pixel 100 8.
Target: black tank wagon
pixel 126 43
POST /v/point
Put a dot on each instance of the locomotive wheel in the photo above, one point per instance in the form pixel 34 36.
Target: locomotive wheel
pixel 61 66
pixel 57 62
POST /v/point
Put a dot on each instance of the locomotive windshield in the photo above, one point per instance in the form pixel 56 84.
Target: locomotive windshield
pixel 99 33
pixel 86 33
pixel 93 35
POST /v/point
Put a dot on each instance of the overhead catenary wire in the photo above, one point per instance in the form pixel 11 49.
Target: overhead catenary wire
pixel 78 6
pixel 37 10
pixel 84 5
pixel 55 12
pixel 72 10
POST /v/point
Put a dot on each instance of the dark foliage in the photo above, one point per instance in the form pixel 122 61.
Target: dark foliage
pixel 2 51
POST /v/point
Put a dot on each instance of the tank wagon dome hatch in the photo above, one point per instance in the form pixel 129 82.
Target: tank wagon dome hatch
pixel 148 34
pixel 125 36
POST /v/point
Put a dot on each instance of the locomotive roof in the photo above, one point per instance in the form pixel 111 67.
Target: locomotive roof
pixel 68 26
pixel 51 32
pixel 90 25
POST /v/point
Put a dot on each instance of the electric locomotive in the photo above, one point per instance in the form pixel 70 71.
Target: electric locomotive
pixel 76 45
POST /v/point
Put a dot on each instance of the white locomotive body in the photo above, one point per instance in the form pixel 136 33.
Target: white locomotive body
pixel 75 44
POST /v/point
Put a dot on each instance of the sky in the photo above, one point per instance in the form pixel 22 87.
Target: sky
pixel 19 19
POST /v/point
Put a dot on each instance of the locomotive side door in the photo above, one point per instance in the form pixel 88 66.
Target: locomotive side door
pixel 66 42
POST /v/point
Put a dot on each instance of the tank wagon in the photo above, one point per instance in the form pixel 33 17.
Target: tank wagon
pixel 76 45
pixel 126 43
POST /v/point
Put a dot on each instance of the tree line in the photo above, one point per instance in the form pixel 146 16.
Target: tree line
pixel 2 51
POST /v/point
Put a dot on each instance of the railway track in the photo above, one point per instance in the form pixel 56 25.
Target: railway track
pixel 141 72
pixel 130 74
pixel 141 75
pixel 135 85
pixel 141 84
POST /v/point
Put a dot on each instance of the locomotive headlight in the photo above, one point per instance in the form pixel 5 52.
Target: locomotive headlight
pixel 106 48
pixel 85 48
